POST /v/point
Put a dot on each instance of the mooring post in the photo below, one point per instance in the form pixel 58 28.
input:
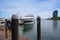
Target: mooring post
pixel 6 29
pixel 14 25
pixel 38 28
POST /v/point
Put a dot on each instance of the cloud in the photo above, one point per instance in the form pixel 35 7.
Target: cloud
pixel 44 8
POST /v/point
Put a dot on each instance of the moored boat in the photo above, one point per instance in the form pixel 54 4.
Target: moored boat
pixel 29 19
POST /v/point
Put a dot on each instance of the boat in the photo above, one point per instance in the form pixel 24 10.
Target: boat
pixel 29 19
pixel 21 22
pixel 2 23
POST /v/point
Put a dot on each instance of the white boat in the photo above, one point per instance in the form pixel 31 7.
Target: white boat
pixel 29 19
pixel 2 21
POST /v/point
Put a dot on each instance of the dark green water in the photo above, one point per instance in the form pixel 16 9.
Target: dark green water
pixel 50 30
pixel 29 31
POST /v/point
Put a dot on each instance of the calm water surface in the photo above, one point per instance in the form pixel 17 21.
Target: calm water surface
pixel 50 30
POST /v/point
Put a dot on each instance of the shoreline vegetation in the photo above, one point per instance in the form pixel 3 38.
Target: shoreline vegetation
pixel 54 18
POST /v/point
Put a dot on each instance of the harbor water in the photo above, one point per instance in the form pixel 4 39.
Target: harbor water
pixel 50 30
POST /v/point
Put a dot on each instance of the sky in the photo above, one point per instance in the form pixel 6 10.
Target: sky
pixel 42 8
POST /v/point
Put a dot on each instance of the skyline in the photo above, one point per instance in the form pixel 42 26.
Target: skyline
pixel 42 8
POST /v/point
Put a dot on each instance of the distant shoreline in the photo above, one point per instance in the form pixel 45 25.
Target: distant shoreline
pixel 55 18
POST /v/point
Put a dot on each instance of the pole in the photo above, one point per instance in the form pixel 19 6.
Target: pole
pixel 6 28
pixel 38 28
pixel 14 25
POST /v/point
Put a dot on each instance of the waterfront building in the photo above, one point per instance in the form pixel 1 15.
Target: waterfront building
pixel 55 13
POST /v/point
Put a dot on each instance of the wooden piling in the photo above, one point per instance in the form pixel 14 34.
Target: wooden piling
pixel 6 29
pixel 14 25
pixel 38 28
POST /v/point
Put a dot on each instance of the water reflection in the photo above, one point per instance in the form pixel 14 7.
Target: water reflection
pixel 27 28
pixel 50 30
pixel 55 24
pixel 20 30
pixel 59 25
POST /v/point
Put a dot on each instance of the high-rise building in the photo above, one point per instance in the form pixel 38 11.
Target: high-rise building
pixel 55 13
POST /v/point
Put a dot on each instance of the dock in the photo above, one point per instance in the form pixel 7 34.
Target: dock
pixel 2 36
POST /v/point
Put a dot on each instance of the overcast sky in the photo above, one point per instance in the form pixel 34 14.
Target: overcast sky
pixel 43 8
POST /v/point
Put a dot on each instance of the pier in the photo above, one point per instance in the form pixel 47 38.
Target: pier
pixel 2 36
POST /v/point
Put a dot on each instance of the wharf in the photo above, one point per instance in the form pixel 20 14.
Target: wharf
pixel 2 36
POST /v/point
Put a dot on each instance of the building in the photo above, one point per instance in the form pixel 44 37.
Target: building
pixel 55 13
